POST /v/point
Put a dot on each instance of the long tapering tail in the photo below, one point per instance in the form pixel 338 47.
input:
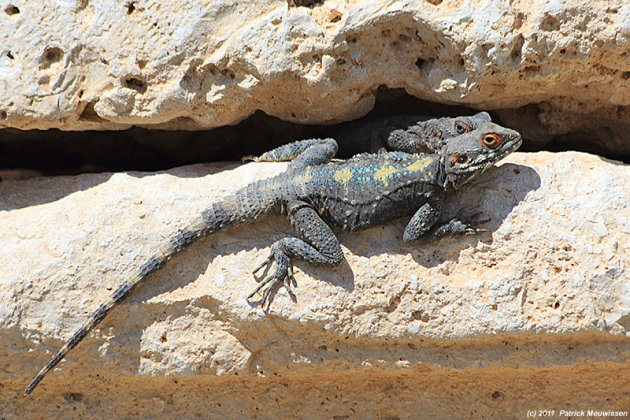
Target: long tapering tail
pixel 244 206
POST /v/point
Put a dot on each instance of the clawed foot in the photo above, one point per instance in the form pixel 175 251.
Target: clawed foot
pixel 282 275
pixel 460 228
pixel 457 227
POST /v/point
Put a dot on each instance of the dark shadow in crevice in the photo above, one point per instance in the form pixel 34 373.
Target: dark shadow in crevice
pixel 55 152
pixel 608 140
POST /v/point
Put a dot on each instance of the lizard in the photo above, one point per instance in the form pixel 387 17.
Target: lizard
pixel 367 190
pixel 401 133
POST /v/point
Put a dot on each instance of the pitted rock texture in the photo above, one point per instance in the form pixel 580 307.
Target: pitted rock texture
pixel 546 287
pixel 551 69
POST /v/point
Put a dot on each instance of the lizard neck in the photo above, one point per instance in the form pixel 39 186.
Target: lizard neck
pixel 441 178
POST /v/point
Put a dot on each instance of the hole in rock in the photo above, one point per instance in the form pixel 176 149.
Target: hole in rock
pixel 550 24
pixel 334 17
pixel 517 48
pixel 135 84
pixel 496 395
pixel 53 55
pixel 72 396
pixel 304 3
pixel 50 56
pixel 11 10
pixel 89 114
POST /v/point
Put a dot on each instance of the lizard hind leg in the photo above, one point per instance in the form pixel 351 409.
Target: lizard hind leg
pixel 319 246
pixel 317 151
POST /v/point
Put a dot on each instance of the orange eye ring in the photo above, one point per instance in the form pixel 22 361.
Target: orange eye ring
pixel 492 140
pixel 460 160
pixel 461 127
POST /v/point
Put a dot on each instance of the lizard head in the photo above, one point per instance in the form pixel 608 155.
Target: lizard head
pixel 465 157
pixel 447 128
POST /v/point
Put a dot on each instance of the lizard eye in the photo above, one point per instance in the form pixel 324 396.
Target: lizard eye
pixel 461 159
pixel 461 128
pixel 439 134
pixel 492 140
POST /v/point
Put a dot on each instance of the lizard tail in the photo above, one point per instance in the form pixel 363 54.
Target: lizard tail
pixel 152 265
pixel 245 205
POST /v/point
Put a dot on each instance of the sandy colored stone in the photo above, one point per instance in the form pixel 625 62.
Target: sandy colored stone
pixel 546 287
pixel 549 68
pixel 421 392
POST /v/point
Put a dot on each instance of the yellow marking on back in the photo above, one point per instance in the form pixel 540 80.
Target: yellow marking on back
pixel 419 164
pixel 343 176
pixel 385 172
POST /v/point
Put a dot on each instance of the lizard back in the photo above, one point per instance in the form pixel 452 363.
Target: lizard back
pixel 369 189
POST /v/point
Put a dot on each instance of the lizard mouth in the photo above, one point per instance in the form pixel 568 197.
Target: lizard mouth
pixel 510 146
pixel 513 144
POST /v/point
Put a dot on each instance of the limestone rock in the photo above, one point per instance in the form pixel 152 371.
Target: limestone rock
pixel 546 287
pixel 548 68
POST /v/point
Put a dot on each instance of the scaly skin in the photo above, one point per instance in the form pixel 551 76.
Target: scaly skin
pixel 398 133
pixel 367 190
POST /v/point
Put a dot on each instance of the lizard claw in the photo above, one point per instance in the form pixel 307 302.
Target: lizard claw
pixel 458 227
pixel 289 280
pixel 264 263
pixel 282 275
pixel 470 230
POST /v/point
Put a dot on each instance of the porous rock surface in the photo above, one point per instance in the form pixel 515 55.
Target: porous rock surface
pixel 549 68
pixel 536 310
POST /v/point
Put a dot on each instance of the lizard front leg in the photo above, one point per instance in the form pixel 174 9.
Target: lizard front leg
pixel 320 246
pixel 424 221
